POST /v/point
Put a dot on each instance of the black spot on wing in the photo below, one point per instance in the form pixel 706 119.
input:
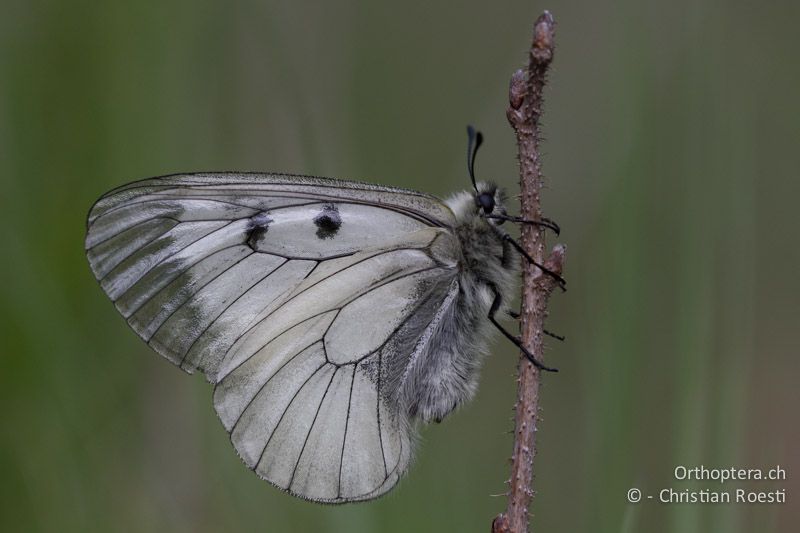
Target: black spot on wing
pixel 328 222
pixel 257 228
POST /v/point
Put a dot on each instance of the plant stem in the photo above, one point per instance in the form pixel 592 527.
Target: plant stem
pixel 524 111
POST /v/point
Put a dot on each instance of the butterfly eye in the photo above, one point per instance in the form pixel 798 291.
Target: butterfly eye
pixel 486 201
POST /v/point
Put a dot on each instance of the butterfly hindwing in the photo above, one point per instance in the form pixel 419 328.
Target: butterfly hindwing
pixel 302 299
pixel 324 356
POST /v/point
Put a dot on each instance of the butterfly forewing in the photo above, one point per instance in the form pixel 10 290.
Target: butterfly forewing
pixel 302 299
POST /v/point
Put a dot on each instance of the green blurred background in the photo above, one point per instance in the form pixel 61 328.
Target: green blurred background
pixel 672 159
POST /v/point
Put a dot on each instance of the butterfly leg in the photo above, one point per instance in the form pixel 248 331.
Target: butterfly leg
pixel 562 283
pixel 542 222
pixel 515 316
pixel 498 301
pixel 554 335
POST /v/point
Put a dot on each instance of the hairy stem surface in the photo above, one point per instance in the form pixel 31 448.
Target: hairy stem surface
pixel 524 112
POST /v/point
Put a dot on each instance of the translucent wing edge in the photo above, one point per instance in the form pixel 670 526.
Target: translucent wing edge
pixel 435 209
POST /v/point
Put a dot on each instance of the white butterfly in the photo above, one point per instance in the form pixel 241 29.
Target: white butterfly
pixel 330 315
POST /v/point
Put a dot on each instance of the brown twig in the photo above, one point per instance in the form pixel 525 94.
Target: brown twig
pixel 525 109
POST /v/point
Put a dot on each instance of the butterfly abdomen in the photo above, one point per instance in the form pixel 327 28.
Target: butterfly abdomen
pixel 445 374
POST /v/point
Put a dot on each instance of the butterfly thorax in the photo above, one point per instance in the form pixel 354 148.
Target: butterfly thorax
pixel 487 257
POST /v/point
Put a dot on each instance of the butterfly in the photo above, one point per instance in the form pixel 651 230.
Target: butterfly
pixel 331 316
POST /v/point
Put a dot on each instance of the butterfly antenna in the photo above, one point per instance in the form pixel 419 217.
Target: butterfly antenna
pixel 475 139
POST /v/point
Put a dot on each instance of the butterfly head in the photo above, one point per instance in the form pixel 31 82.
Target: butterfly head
pixel 485 201
pixel 479 206
pixel 489 199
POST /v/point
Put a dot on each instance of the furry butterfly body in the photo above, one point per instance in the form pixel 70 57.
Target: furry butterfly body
pixel 331 316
